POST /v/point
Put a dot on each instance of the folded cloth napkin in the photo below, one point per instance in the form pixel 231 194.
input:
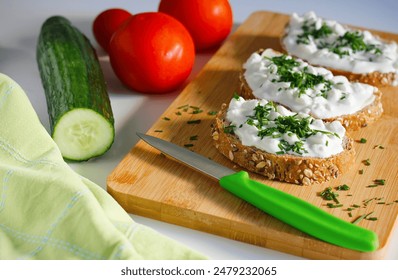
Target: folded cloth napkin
pixel 48 211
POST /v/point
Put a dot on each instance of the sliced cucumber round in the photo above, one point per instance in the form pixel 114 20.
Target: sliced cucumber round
pixel 82 134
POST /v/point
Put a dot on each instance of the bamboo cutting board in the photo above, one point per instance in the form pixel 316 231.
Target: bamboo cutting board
pixel 149 184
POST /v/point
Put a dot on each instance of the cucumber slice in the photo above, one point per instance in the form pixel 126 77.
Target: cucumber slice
pixel 83 133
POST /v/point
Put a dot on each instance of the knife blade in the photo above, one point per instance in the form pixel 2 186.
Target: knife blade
pixel 283 206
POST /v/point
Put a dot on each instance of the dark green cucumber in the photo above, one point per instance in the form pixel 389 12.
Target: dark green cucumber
pixel 80 112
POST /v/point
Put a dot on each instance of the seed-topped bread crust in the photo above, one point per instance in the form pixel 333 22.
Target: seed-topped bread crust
pixel 288 168
pixel 351 122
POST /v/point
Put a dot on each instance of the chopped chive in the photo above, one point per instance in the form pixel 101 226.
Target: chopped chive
pixel 372 186
pixel 356 205
pixel 193 122
pixel 197 111
pixel 366 162
pixel 194 137
pixel 331 205
pixel 178 113
pixel 382 202
pixel 188 145
pixel 360 171
pixel 379 146
pixel 158 130
pixel 362 140
pixel 372 219
pixel 212 113
pixel 343 188
pixel 166 118
pixel 350 214
pixel 183 106
pixel 380 181
pixel 328 194
pixel 360 218
pixel 365 202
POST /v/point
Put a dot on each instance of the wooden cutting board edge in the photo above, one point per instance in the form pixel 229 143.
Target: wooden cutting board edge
pixel 174 215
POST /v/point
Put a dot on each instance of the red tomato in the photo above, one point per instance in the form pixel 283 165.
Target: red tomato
pixel 208 21
pixel 152 53
pixel 106 23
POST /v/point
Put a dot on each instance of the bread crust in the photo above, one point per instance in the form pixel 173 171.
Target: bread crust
pixel 287 168
pixel 351 122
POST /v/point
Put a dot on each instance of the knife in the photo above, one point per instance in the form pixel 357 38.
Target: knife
pixel 283 206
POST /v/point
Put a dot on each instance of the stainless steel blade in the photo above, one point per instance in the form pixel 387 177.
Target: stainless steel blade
pixel 187 157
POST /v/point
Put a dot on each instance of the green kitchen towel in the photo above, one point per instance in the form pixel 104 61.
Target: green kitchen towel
pixel 48 211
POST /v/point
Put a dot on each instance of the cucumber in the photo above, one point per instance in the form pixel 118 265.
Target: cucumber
pixel 79 108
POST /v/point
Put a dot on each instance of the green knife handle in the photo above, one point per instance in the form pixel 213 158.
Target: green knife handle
pixel 300 214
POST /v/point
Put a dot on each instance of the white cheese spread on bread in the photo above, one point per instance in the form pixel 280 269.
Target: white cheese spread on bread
pixel 277 130
pixel 333 45
pixel 304 88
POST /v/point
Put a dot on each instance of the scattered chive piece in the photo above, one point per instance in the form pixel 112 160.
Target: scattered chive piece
pixel 372 186
pixel 360 218
pixel 188 145
pixel 328 194
pixel 193 121
pixel 381 202
pixel 363 140
pixel 183 106
pixel 350 214
pixel 366 162
pixel 212 113
pixel 194 137
pixel 229 129
pixel 365 202
pixel 356 205
pixel 372 219
pixel 331 205
pixel 166 118
pixel 178 113
pixel 343 188
pixel 380 181
pixel 360 171
pixel 378 146
pixel 158 130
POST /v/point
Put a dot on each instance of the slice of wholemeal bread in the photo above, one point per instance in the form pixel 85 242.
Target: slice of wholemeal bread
pixel 357 54
pixel 300 159
pixel 313 90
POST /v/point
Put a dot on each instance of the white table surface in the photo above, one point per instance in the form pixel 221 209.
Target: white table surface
pixel 20 22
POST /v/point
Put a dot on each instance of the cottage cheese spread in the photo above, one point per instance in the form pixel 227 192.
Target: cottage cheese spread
pixel 330 44
pixel 304 88
pixel 275 129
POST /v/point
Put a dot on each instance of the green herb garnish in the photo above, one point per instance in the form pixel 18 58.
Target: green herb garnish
pixel 362 140
pixel 366 162
pixel 350 42
pixel 229 129
pixel 343 188
pixel 287 69
pixel 328 194
pixel 193 122
pixel 311 30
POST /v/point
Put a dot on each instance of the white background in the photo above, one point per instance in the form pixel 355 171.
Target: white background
pixel 20 22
